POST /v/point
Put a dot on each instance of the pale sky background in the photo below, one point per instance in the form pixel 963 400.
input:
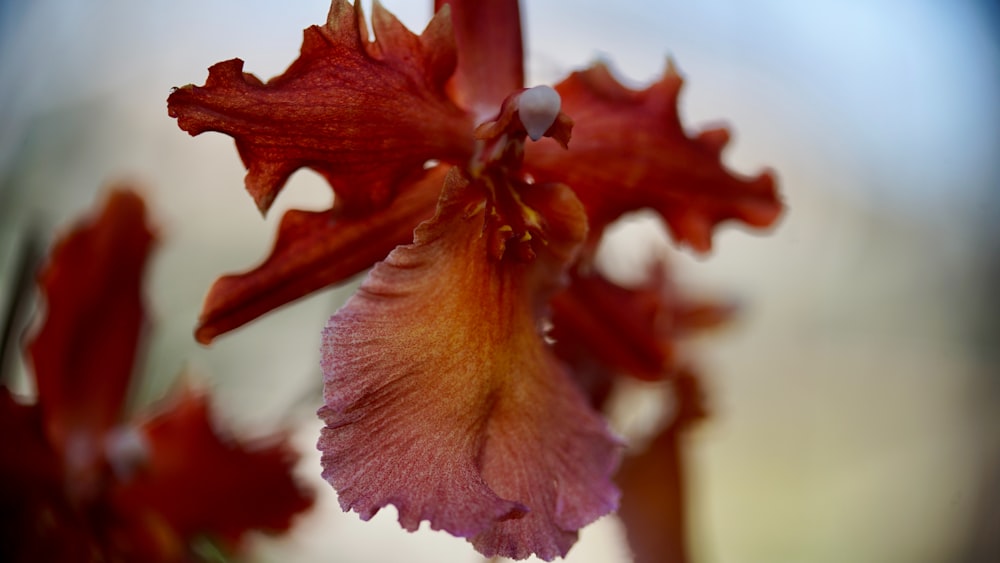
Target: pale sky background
pixel 854 416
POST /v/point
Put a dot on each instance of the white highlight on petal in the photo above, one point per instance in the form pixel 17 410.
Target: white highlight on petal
pixel 538 108
pixel 126 449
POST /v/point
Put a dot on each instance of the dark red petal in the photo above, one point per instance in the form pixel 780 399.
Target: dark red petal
pixel 490 52
pixel 25 453
pixel 364 115
pixel 443 399
pixel 653 506
pixel 39 522
pixel 198 480
pixel 619 328
pixel 600 326
pixel 316 249
pixel 84 353
pixel 629 152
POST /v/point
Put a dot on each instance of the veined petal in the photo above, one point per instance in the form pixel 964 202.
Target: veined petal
pixel 630 152
pixel 548 449
pixel 366 116
pixel 443 399
pixel 490 52
pixel 316 249
pixel 84 353
pixel 195 480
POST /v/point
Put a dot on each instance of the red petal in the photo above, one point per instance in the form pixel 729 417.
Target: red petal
pixel 315 250
pixel 601 326
pixel 39 522
pixel 629 152
pixel 198 481
pixel 84 353
pixel 490 52
pixel 594 319
pixel 27 462
pixel 443 400
pixel 653 485
pixel 364 115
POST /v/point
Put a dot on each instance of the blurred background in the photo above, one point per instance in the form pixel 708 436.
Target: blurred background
pixel 856 400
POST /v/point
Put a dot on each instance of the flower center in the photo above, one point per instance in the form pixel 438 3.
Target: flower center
pixel 512 226
pixel 538 109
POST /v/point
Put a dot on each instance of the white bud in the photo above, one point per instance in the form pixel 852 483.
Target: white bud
pixel 538 108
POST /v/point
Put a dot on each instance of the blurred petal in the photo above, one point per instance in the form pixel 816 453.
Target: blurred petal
pixel 619 328
pixel 598 325
pixel 39 524
pixel 443 399
pixel 316 249
pixel 490 52
pixel 629 152
pixel 366 116
pixel 653 485
pixel 84 353
pixel 27 459
pixel 198 480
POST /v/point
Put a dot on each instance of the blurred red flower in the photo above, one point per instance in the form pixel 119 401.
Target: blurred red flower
pixel 82 479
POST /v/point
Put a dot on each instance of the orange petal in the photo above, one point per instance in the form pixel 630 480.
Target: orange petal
pixel 443 399
pixel 84 353
pixel 364 115
pixel 315 250
pixel 197 480
pixel 630 152
pixel 490 52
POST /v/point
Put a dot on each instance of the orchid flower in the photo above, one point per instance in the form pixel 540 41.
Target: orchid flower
pixel 81 479
pixel 443 394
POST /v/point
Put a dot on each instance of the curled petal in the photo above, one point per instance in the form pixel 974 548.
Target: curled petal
pixel 195 480
pixel 630 152
pixel 443 399
pixel 490 52
pixel 363 115
pixel 548 449
pixel 84 353
pixel 313 250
